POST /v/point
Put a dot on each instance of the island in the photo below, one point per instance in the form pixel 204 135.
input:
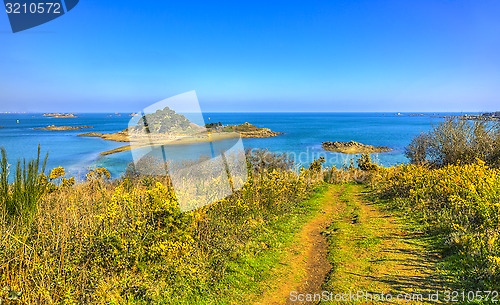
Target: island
pixel 63 128
pixel 60 115
pixel 354 148
pixel 166 127
pixel 245 130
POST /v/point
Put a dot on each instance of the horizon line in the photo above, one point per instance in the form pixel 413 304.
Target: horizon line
pixel 129 112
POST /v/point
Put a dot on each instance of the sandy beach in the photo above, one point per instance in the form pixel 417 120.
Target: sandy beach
pixel 157 141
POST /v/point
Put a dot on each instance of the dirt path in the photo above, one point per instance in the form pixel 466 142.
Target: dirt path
pixel 350 246
pixel 307 258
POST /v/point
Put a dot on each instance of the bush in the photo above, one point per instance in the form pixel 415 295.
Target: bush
pixel 457 140
pixel 459 204
pixel 365 163
pixel 265 160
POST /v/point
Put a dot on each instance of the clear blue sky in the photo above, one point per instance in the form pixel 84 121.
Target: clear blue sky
pixel 347 55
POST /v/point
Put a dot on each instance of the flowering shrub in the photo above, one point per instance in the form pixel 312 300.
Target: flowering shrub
pixel 365 163
pixel 126 240
pixel 99 173
pixel 459 202
pixel 57 172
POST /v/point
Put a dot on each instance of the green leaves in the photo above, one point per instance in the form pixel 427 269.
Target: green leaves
pixel 20 198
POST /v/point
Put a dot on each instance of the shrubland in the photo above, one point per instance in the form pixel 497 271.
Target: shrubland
pixel 126 240
pixel 452 190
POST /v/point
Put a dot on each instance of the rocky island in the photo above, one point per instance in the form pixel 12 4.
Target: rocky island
pixel 354 148
pixel 245 130
pixel 63 128
pixel 166 127
pixel 60 115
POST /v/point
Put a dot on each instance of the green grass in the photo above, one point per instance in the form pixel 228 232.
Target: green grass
pixel 449 266
pixel 372 249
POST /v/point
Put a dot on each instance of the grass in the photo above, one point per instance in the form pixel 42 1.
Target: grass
pixel 371 250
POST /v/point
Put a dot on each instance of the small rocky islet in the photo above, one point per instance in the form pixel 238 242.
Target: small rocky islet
pixel 245 130
pixel 353 147
pixel 63 128
pixel 60 115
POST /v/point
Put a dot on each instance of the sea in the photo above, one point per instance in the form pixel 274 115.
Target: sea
pixel 304 133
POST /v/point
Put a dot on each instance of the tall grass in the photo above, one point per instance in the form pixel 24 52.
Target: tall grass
pixel 459 205
pixel 20 198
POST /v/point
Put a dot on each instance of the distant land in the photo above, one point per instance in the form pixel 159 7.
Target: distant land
pixel 245 130
pixel 489 116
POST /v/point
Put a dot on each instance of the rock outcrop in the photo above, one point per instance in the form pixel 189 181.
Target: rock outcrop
pixel 353 148
pixel 248 130
pixel 63 128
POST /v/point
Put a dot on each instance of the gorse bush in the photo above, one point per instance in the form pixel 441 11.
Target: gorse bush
pixel 457 140
pixel 365 163
pixel 459 203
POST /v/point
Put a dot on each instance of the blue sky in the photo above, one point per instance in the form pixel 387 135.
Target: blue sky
pixel 257 56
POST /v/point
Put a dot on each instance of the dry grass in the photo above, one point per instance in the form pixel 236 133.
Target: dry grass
pixel 126 241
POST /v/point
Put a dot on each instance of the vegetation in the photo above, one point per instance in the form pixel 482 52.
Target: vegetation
pixel 163 121
pixel 127 241
pixel 371 250
pixel 20 198
pixel 458 204
pixel 453 191
pixel 457 140
pixel 213 125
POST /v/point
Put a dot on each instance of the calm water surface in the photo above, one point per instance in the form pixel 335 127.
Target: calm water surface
pixel 304 134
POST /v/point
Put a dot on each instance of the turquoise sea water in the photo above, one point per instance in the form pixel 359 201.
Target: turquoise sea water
pixel 304 134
